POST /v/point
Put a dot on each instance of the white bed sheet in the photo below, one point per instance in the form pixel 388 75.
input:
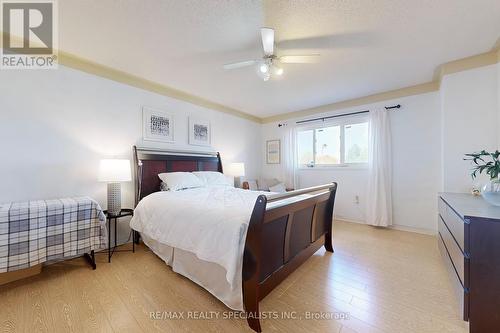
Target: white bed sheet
pixel 207 224
pixel 210 276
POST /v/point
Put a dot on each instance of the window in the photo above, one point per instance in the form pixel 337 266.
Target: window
pixel 356 143
pixel 333 145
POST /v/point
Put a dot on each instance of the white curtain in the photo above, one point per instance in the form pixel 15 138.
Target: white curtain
pixel 289 157
pixel 379 196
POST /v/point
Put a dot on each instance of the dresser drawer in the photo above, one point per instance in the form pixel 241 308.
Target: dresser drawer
pixel 454 222
pixel 454 251
pixel 459 291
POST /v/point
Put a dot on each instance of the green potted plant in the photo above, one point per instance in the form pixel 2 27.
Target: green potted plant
pixel 488 163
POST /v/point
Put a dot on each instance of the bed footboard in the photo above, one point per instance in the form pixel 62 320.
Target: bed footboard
pixel 284 231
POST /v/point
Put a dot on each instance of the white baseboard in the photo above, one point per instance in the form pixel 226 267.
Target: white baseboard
pixel 343 219
pixel 413 229
pixel 395 227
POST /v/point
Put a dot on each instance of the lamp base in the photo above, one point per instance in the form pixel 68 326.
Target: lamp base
pixel 114 198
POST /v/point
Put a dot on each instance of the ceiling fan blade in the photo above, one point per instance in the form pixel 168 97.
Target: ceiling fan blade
pixel 240 64
pixel 336 41
pixel 300 59
pixel 267 35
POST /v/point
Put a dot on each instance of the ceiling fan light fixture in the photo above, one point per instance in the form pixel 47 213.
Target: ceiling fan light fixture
pixel 264 68
pixel 268 66
pixel 277 70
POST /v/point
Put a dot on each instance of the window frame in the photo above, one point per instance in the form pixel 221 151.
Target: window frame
pixel 342 122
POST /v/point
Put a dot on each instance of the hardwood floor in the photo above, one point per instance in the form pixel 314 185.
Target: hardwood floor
pixel 386 280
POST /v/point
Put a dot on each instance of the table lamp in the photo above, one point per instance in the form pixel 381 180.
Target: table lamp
pixel 113 172
pixel 237 170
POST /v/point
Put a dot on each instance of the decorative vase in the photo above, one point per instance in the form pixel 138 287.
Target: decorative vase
pixel 491 192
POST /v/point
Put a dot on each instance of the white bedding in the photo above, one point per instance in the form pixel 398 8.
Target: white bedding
pixel 209 275
pixel 210 222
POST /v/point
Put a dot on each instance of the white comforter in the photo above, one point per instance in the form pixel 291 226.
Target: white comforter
pixel 210 222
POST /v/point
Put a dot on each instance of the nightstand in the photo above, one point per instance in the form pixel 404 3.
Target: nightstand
pixel 123 213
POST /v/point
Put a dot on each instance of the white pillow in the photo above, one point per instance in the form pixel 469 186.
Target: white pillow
pixel 212 178
pixel 177 181
pixel 278 188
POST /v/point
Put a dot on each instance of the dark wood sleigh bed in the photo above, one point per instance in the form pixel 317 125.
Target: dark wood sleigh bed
pixel 283 232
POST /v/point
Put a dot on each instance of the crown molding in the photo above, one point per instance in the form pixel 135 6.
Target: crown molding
pixel 75 62
pixel 393 94
pixel 484 59
pixel 88 66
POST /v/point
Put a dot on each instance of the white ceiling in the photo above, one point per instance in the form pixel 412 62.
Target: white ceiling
pixel 366 46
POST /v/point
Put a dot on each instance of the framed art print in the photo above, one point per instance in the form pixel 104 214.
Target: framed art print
pixel 158 125
pixel 199 132
pixel 273 151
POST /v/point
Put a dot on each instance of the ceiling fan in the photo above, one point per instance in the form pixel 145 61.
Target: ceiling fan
pixel 269 65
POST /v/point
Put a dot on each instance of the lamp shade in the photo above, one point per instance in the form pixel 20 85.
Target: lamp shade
pixel 114 170
pixel 236 169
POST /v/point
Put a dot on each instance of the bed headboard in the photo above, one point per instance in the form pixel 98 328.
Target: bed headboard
pixel 150 162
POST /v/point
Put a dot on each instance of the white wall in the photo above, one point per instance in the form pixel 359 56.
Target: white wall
pixel 430 134
pixel 470 120
pixel 416 165
pixel 55 126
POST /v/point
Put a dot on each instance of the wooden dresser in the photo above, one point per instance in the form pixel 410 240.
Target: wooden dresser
pixel 469 240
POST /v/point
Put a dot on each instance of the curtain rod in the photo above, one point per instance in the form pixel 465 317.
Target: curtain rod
pixel 342 115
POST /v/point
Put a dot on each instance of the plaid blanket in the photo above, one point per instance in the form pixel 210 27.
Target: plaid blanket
pixel 38 231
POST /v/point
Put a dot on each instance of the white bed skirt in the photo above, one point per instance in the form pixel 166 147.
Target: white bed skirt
pixel 209 275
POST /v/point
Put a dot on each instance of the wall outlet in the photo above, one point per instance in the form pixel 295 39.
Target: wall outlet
pixel 356 199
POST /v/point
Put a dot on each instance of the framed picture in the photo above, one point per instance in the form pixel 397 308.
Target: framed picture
pixel 199 132
pixel 158 125
pixel 273 152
